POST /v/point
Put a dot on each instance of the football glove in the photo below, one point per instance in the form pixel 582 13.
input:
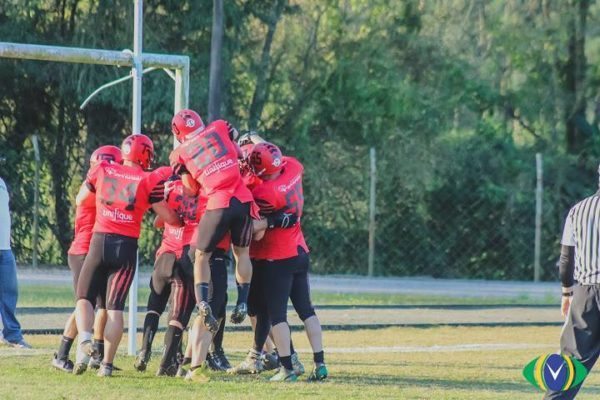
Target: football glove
pixel 281 219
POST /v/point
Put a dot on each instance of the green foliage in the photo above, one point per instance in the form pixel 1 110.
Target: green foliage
pixel 457 97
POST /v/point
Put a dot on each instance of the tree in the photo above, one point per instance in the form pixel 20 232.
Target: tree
pixel 216 73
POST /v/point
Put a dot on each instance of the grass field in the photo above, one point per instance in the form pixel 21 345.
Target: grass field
pixel 393 363
pixel 62 296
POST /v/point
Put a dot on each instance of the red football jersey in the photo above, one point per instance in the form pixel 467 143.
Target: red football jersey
pixel 283 193
pixel 175 238
pixel 211 158
pixel 85 216
pixel 123 195
pixel 250 180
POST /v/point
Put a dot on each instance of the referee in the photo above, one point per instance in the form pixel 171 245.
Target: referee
pixel 579 269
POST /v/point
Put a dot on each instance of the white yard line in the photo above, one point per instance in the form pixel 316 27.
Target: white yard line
pixel 428 349
pixel 359 350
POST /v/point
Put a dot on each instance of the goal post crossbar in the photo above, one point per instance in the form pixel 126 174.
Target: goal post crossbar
pixel 137 60
pixel 125 58
pixel 80 55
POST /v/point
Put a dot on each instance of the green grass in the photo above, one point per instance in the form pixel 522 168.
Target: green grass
pixel 62 296
pixel 383 375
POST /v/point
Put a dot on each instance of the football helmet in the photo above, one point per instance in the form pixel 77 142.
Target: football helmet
pixel 265 159
pixel 185 123
pixel 139 149
pixel 106 153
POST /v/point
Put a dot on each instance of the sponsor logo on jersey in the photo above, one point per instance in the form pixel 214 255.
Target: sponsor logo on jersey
pixel 176 233
pixel 114 172
pixel 293 182
pixel 555 372
pixel 218 166
pixel 117 215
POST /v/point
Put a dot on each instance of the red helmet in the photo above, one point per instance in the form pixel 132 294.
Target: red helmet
pixel 138 149
pixel 186 122
pixel 265 159
pixel 108 153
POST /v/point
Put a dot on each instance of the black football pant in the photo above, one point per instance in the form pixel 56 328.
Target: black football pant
pixel 580 336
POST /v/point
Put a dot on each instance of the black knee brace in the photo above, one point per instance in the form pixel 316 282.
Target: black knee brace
pixel 157 302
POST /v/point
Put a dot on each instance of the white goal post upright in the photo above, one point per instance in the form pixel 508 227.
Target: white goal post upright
pixel 136 60
pixel 136 128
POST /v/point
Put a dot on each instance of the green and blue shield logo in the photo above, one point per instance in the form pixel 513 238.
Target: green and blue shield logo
pixel 555 372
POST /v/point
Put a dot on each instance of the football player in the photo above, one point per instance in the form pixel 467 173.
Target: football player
pixel 282 257
pixel 85 215
pixel 174 266
pixel 263 354
pixel 123 194
pixel 169 278
pixel 207 160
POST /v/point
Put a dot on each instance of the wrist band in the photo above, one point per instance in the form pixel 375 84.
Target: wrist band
pixel 567 294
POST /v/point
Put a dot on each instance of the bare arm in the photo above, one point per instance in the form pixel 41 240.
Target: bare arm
pixel 169 216
pixel 84 195
pixel 190 185
pixel 158 222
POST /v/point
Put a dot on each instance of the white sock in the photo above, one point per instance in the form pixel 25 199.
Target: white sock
pixel 82 357
pixel 85 336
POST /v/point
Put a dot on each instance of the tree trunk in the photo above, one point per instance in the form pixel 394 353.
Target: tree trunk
pixel 574 78
pixel 59 167
pixel 262 79
pixel 216 72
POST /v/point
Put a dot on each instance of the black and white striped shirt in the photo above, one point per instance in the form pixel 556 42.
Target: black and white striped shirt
pixel 582 231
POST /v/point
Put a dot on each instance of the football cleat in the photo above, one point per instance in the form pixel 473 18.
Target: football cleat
pixel 252 364
pixel 171 370
pixel 297 365
pixel 284 375
pixel 207 318
pixel 181 372
pixel 62 365
pixel 270 361
pixel 105 370
pixel 319 373
pixel 217 361
pixel 85 351
pixel 141 360
pixel 95 362
pixel 199 374
pixel 79 368
pixel 239 313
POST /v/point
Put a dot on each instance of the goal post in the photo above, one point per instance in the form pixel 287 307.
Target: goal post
pixel 126 58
